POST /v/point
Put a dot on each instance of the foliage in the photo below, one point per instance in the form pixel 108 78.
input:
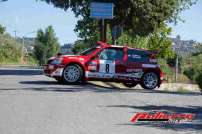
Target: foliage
pixel 194 70
pixel 10 50
pixel 164 67
pixel 2 29
pixel 138 17
pixel 87 28
pixel 81 45
pixel 46 45
pixel 199 80
pixel 159 41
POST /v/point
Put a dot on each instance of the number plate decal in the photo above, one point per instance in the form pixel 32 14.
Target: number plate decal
pixel 107 66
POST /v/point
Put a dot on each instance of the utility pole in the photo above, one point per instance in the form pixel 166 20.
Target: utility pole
pixel 176 68
pixel 23 45
pixel 15 32
pixel 177 45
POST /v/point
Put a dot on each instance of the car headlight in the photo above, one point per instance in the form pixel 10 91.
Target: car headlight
pixel 56 61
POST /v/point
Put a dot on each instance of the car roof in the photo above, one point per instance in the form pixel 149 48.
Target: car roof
pixel 103 44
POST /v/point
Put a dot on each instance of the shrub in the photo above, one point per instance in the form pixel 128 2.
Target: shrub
pixel 199 80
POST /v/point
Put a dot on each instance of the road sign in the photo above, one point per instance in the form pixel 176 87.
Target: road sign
pixel 101 10
pixel 117 31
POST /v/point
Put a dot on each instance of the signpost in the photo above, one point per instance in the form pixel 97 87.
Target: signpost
pixel 102 11
pixel 116 33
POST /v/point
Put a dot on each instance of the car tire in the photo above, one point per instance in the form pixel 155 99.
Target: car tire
pixel 73 74
pixel 130 85
pixel 149 80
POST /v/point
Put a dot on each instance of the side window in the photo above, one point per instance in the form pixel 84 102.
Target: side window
pixel 111 54
pixel 137 56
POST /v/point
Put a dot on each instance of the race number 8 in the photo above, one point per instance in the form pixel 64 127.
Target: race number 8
pixel 107 68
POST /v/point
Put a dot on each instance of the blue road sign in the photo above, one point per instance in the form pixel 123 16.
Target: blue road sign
pixel 101 10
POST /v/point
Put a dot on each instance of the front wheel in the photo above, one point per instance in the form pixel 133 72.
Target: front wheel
pixel 72 74
pixel 150 80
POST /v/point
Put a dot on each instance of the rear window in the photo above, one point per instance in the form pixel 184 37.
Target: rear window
pixel 137 56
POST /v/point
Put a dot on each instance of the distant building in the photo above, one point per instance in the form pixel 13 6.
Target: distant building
pixel 28 43
pixel 66 49
pixel 184 47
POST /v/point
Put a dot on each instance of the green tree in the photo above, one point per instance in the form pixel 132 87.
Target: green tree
pixel 46 45
pixel 138 17
pixel 2 29
pixel 10 49
pixel 81 45
pixel 159 41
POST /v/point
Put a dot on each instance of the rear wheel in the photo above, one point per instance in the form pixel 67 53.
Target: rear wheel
pixel 72 74
pixel 150 80
pixel 130 85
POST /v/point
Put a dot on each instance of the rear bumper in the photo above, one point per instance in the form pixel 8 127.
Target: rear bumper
pixel 53 70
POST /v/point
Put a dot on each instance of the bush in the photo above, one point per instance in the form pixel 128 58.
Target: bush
pixel 199 80
pixel 194 72
pixel 10 50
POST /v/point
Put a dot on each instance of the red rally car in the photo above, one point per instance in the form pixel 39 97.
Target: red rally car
pixel 109 63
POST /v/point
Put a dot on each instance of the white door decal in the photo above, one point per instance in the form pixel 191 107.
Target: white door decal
pixel 107 66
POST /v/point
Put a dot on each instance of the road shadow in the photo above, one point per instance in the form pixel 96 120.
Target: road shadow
pixel 101 89
pixel 45 89
pixel 40 82
pixel 117 89
pixel 195 125
pixel 20 72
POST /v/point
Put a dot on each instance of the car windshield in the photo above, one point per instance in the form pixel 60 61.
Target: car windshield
pixel 88 51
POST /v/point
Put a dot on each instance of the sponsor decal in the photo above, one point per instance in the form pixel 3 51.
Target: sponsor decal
pixel 92 68
pixel 153 60
pixel 51 67
pixel 125 78
pixel 136 56
pixel 57 72
pixel 162 117
pixel 133 76
pixel 136 75
pixel 149 65
pixel 133 70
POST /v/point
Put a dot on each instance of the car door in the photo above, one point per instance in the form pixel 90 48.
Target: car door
pixel 110 60
pixel 107 64
pixel 134 63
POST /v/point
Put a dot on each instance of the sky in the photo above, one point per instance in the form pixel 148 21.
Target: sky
pixel 27 16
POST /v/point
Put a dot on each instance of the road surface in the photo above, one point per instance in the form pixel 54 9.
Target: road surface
pixel 31 103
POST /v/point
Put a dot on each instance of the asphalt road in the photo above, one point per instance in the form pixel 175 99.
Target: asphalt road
pixel 31 103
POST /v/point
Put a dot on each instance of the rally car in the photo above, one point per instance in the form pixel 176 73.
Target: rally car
pixel 109 63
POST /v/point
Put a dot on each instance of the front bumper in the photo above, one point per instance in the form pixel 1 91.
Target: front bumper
pixel 53 70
